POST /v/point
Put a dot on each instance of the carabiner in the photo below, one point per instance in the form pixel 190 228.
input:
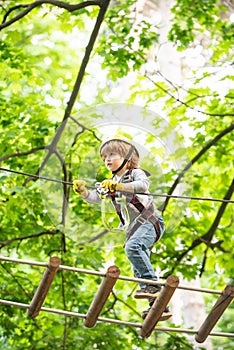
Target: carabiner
pixel 101 191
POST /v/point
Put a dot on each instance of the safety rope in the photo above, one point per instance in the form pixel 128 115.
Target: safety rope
pixel 93 187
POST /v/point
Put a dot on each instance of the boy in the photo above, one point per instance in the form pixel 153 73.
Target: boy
pixel 146 226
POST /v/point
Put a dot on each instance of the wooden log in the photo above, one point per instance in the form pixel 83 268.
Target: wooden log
pixel 216 312
pixel 102 295
pixel 43 287
pixel 159 306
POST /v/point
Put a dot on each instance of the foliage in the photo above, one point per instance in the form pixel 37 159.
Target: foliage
pixel 191 18
pixel 51 125
pixel 126 41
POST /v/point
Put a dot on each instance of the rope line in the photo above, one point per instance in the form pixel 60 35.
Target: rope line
pixel 146 194
pixel 103 274
pixel 109 320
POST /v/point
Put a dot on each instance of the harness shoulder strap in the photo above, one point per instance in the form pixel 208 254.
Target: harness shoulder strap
pixel 117 206
pixel 134 200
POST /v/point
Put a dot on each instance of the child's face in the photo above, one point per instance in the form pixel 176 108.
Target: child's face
pixel 112 160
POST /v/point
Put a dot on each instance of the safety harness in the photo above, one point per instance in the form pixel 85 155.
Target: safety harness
pixel 145 214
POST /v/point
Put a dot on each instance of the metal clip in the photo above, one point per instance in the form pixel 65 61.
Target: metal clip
pixel 101 191
pixel 141 220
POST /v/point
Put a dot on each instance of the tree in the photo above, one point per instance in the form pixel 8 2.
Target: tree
pixel 49 128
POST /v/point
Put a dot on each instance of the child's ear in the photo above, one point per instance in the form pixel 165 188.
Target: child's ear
pixel 130 164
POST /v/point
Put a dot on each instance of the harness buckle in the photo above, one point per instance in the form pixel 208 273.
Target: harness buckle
pixel 141 220
pixel 127 178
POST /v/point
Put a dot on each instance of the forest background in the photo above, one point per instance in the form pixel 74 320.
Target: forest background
pixel 73 73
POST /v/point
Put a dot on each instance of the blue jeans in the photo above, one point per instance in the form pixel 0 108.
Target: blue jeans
pixel 137 249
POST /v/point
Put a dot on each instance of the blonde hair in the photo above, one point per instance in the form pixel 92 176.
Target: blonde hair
pixel 122 148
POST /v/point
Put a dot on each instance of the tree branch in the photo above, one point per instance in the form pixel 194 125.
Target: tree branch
pixel 83 128
pixel 34 235
pixel 77 84
pixel 103 233
pixel 30 7
pixel 212 246
pixel 185 103
pixel 194 160
pixel 204 262
pixel 16 281
pixel 20 154
pixel 207 237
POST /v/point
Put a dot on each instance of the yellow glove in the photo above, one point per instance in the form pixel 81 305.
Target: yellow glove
pixel 112 186
pixel 79 186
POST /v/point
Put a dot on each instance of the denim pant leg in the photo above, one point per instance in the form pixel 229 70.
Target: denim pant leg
pixel 137 249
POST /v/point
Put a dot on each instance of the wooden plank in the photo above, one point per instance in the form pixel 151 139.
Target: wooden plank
pixel 43 287
pixel 216 312
pixel 159 306
pixel 102 295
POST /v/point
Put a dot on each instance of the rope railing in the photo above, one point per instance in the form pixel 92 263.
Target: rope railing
pixel 114 321
pixel 103 274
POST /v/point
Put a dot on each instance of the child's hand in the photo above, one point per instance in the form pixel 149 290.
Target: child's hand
pixel 79 186
pixel 112 186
